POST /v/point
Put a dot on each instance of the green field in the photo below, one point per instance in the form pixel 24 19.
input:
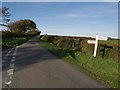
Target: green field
pixel 115 42
pixel 103 70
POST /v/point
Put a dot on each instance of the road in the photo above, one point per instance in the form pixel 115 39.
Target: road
pixel 35 67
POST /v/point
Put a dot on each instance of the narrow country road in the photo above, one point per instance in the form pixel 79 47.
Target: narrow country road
pixel 35 67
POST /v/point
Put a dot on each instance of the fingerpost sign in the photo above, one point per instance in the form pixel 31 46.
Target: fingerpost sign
pixel 96 43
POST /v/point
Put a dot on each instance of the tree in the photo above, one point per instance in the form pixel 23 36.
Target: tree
pixel 22 26
pixel 4 16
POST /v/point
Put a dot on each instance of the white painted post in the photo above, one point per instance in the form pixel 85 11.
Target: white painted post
pixel 96 42
pixel 96 45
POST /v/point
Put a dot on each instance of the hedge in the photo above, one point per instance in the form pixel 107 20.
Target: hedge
pixel 80 44
pixel 9 34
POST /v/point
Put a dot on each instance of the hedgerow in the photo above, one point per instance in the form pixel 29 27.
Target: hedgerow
pixel 80 44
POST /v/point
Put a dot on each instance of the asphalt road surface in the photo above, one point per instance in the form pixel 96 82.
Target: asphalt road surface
pixel 35 67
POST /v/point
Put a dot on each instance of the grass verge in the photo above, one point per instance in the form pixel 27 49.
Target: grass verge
pixel 103 70
pixel 10 42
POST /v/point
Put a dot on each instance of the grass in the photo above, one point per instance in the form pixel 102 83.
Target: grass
pixel 103 70
pixel 10 42
pixel 110 41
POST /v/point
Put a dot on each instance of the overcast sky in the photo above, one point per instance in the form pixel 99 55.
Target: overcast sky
pixel 69 18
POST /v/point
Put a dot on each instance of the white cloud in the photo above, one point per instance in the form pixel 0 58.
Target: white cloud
pixel 91 11
pixel 92 14
pixel 75 15
pixel 64 16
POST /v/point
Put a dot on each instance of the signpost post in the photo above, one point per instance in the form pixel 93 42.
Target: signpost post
pixel 104 48
pixel 96 43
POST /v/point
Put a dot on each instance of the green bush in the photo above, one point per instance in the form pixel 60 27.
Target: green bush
pixel 55 41
pixel 47 38
pixel 18 34
pixel 9 34
pixel 65 42
pixel 85 47
pixel 10 39
pixel 10 42
pixel 31 33
pixel 109 52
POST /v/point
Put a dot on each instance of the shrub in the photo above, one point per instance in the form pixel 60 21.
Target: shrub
pixel 85 47
pixel 31 33
pixel 9 34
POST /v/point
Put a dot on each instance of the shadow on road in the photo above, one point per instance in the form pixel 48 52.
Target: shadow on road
pixel 31 53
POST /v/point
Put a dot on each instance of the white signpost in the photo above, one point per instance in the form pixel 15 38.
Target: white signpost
pixel 96 42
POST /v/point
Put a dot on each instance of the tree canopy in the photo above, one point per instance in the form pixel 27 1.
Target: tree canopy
pixel 22 26
pixel 4 16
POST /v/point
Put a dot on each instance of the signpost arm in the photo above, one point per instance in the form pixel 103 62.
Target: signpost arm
pixel 96 44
